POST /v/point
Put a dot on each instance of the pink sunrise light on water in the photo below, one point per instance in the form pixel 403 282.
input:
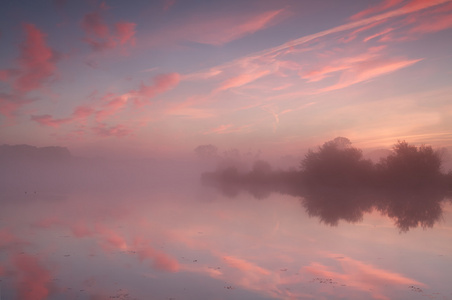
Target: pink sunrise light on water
pixel 255 149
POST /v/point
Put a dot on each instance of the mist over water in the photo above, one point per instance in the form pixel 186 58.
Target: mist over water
pixel 172 149
pixel 83 228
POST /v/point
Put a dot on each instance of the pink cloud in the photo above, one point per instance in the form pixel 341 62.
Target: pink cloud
pixel 113 105
pixel 434 24
pixel 161 83
pixel 6 237
pixel 104 130
pixel 34 280
pixel 245 266
pixel 231 27
pixel 405 10
pixel 167 4
pixel 82 112
pixel 242 79
pixel 359 68
pixel 8 74
pixel 94 25
pixel 160 261
pixel 190 112
pixel 187 109
pixel 350 37
pixel 36 60
pixel 10 104
pixel 421 4
pixel 47 222
pixel 383 32
pixel 81 230
pixel 205 28
pixel 342 64
pixel 100 45
pixel 382 6
pixel 125 32
pixel 48 120
pixel 252 25
pixel 115 240
pixel 4 75
pixel 361 276
pixel 369 70
pixel 98 33
pixel 253 277
pixel 229 128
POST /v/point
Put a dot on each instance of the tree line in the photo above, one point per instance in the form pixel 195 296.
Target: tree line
pixel 335 182
pixel 337 163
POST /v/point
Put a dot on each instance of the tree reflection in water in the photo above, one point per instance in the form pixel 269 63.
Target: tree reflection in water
pixel 335 183
pixel 419 207
pixel 408 208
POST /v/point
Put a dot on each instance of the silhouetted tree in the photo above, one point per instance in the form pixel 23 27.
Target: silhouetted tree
pixel 336 184
pixel 231 158
pixel 411 166
pixel 206 151
pixel 17 153
pixel 336 163
pixel 411 208
pixel 332 204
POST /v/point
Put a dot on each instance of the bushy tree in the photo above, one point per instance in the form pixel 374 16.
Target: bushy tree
pixel 411 166
pixel 336 163
pixel 206 152
pixel 261 167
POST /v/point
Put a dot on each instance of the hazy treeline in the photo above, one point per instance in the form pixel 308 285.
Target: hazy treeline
pixel 27 153
pixel 28 169
pixel 335 182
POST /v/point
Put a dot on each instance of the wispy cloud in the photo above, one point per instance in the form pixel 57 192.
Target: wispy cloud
pixel 355 69
pixel 232 27
pixel 407 9
pixel 361 276
pixel 228 128
pixel 161 83
pixel 125 32
pixel 11 103
pixel 36 61
pixel 167 4
pixel 369 70
pixel 104 130
pixel 99 35
pixel 48 120
pixel 380 7
pixel 383 32
pixel 250 68
pixel 242 79
pixel 95 116
pixel 160 260
pixel 435 24
pixel 34 280
pixel 204 28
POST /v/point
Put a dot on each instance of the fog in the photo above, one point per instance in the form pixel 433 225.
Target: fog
pixel 54 168
pixel 224 224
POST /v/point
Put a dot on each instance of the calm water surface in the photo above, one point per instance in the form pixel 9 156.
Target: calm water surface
pixel 186 241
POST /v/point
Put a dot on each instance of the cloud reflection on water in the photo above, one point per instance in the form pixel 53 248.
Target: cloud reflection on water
pixel 190 242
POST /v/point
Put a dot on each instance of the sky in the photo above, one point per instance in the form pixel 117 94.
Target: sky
pixel 159 78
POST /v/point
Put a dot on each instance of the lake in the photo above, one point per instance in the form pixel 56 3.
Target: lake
pixel 182 240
